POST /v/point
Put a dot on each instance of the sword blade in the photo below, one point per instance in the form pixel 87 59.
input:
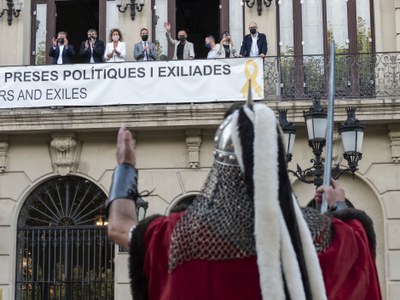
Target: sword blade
pixel 329 131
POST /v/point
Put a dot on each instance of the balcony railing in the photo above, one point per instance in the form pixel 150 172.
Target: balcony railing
pixel 357 76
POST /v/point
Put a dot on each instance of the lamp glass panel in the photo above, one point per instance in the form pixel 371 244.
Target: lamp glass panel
pixel 118 2
pixel 18 6
pixel 289 139
pixel 360 138
pixel 291 142
pixel 352 141
pixel 286 141
pixel 141 2
pixel 316 128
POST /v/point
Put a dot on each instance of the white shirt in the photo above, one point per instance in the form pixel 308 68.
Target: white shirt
pixel 59 59
pixel 145 53
pixel 213 53
pixel 91 53
pixel 115 58
pixel 254 51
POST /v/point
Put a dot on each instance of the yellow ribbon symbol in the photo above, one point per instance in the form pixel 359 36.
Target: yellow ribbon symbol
pixel 253 77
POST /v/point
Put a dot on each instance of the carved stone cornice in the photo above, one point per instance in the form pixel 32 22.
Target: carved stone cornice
pixel 3 152
pixel 394 135
pixel 65 151
pixel 197 115
pixel 193 143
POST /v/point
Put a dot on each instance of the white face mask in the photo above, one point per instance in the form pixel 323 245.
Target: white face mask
pixel 115 38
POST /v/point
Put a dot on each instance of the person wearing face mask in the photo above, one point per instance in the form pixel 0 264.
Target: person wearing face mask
pixel 92 49
pixel 227 48
pixel 214 49
pixel 183 49
pixel 254 44
pixel 116 48
pixel 61 51
pixel 144 50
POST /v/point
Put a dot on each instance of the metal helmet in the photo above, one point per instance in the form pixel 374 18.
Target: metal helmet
pixel 224 150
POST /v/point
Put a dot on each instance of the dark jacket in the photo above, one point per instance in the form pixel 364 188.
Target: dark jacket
pixel 98 52
pixel 66 55
pixel 261 43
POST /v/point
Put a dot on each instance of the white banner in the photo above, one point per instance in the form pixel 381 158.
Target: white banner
pixel 131 83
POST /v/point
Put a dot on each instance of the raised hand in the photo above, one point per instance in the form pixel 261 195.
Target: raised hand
pixel 333 193
pixel 167 26
pixel 125 152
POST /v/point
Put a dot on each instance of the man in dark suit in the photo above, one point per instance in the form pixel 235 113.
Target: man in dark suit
pixel 61 51
pixel 144 50
pixel 254 44
pixel 92 49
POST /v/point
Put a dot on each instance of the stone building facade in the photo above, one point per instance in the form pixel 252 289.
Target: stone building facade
pixel 174 142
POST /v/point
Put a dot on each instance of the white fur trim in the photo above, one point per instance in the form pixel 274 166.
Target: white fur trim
pixel 249 113
pixel 290 264
pixel 266 215
pixel 236 139
pixel 310 255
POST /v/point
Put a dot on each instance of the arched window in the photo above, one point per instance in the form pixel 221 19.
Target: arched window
pixel 62 246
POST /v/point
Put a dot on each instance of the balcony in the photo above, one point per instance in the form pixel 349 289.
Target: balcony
pixel 369 81
pixel 358 76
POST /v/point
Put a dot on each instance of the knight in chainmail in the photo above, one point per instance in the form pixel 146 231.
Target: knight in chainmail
pixel 244 236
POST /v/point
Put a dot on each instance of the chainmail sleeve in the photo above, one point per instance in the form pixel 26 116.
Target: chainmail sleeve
pixel 320 226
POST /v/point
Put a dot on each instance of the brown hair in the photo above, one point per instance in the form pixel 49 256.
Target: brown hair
pixel 115 30
pixel 62 32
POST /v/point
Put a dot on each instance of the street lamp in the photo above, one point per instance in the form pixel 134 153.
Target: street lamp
pixel 289 133
pixel 14 8
pixel 352 133
pixel 101 221
pixel 134 6
pixel 250 4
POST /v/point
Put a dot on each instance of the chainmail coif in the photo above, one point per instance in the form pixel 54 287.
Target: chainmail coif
pixel 219 225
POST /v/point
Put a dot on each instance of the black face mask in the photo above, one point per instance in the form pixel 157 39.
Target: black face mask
pixel 145 37
pixel 253 31
pixel 182 38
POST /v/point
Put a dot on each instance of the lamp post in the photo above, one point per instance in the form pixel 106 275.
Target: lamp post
pixel 289 133
pixel 352 133
pixel 14 8
pixel 251 3
pixel 133 5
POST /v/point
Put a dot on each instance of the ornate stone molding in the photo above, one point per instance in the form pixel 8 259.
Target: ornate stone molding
pixel 193 143
pixel 394 135
pixel 182 116
pixel 3 152
pixel 65 150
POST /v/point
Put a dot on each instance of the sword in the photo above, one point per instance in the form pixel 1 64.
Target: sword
pixel 329 131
